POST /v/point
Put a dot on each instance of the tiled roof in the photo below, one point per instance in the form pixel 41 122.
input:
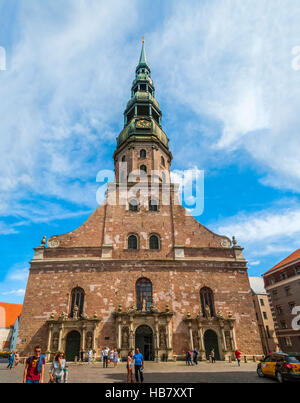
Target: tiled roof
pixel 9 314
pixel 257 285
pixel 291 258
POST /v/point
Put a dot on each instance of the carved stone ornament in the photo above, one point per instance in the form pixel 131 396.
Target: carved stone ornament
pixel 225 243
pixel 53 243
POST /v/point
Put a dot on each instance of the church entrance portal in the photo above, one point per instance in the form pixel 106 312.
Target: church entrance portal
pixel 144 341
pixel 210 342
pixel 73 346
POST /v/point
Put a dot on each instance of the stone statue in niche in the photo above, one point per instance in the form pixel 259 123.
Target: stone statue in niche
pixel 75 312
pixel 207 312
pixel 88 341
pixel 125 337
pixel 55 342
pixel 144 305
pixel 162 337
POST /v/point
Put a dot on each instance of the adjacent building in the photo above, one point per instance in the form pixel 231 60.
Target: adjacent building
pixel 141 271
pixel 9 317
pixel 282 283
pixel 264 315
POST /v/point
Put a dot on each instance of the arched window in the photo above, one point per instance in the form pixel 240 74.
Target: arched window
pixel 77 299
pixel 154 242
pixel 163 162
pixel 153 205
pixel 132 242
pixel 134 205
pixel 143 168
pixel 143 154
pixel 124 158
pixel 207 300
pixel 143 293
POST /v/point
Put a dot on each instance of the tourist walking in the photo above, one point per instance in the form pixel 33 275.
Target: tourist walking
pixel 35 367
pixel 116 358
pixel 111 357
pixel 11 358
pixel 17 359
pixel 138 366
pixel 57 369
pixel 195 356
pixel 104 354
pixel 238 356
pixel 189 358
pixel 90 354
pixel 129 368
pixel 212 354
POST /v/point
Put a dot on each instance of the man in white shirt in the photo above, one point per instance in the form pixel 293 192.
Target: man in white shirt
pixel 105 353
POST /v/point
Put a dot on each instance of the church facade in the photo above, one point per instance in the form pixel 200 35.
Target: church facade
pixel 141 271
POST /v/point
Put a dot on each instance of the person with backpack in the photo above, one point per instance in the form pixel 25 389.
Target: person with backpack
pixel 57 370
pixel 35 367
pixel 189 358
pixel 11 359
pixel 238 356
pixel 195 356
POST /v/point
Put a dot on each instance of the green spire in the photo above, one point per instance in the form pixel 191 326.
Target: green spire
pixel 143 59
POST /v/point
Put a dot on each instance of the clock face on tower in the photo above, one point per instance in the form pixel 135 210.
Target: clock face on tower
pixel 143 124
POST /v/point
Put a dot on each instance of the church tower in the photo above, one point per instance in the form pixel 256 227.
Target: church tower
pixel 141 271
pixel 143 144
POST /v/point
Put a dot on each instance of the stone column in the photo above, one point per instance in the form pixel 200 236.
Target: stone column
pixel 49 342
pixel 119 334
pixel 232 335
pixel 223 336
pixel 168 333
pixel 60 337
pixel 83 334
pixel 156 339
pixel 131 334
pixel 94 347
pixel 191 336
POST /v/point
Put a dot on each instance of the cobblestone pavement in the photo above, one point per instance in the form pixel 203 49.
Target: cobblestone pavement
pixel 154 373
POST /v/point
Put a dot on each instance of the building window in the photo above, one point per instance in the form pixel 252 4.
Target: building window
pixel 271 281
pixel 154 242
pixel 265 315
pixel 124 158
pixel 262 303
pixel 283 324
pixel 153 205
pixel 134 205
pixel 163 162
pixel 77 300
pixel 268 332
pixel 143 294
pixel 291 305
pixel 207 301
pixel 143 154
pixel 287 341
pixel 297 270
pixel 132 242
pixel 143 168
pixel 279 309
pixel 288 291
pixel 282 276
pixel 275 294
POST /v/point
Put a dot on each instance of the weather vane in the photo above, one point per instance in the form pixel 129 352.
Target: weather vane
pixel 143 37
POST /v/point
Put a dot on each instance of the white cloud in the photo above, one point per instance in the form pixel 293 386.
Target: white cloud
pixel 16 293
pixel 231 61
pixel 62 92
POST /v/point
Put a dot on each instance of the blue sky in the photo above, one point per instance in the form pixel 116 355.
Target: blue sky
pixel 230 98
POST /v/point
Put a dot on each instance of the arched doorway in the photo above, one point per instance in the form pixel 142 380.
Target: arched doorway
pixel 144 341
pixel 210 342
pixel 73 346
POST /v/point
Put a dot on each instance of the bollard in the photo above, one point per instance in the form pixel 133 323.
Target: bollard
pixel 245 359
pixel 254 358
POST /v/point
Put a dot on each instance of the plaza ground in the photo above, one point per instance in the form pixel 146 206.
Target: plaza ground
pixel 154 373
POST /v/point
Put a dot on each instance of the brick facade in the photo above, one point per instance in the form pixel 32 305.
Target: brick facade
pixel 96 258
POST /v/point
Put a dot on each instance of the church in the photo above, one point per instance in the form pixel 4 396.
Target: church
pixel 140 272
